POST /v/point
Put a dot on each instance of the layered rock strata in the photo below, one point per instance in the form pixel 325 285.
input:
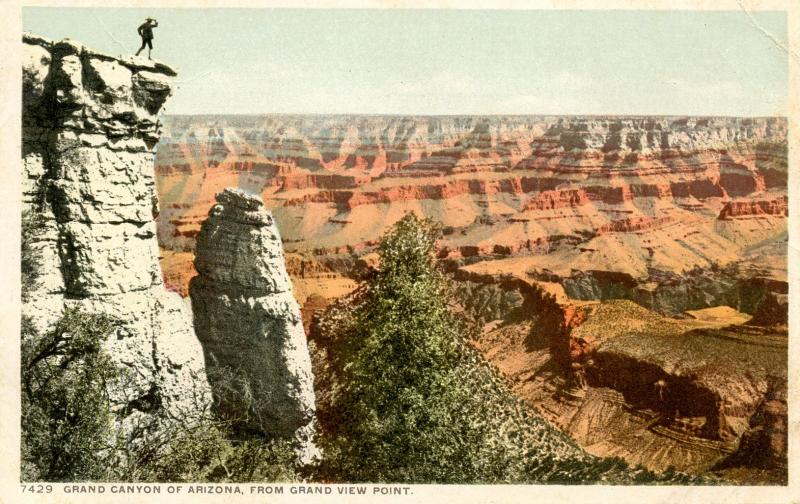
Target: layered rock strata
pixel 701 392
pixel 249 322
pixel 586 200
pixel 90 123
pixel 335 181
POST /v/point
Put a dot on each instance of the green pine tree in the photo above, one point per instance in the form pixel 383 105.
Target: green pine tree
pixel 403 397
pixel 403 388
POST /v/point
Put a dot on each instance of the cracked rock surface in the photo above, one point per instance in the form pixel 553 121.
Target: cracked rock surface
pixel 90 122
pixel 249 322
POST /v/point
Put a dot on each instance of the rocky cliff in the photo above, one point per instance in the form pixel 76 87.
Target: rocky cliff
pixel 528 173
pixel 560 196
pixel 90 123
pixel 674 213
pixel 250 324
pixel 702 392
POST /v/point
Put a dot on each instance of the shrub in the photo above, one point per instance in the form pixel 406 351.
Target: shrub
pixel 71 433
pixel 208 451
pixel 66 415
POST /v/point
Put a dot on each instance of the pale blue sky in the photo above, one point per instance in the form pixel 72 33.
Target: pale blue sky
pixel 450 61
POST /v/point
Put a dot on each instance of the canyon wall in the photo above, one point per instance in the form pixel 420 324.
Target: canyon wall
pixel 575 199
pixel 250 324
pixel 705 392
pixel 90 124
pixel 456 169
pixel 578 216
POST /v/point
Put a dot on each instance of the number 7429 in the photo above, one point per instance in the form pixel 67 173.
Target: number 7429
pixel 37 489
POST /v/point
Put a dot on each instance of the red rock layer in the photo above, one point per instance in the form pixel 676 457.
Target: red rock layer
pixel 335 183
pixel 740 208
pixel 549 200
pixel 633 224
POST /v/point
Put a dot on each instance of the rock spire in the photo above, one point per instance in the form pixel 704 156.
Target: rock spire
pixel 249 322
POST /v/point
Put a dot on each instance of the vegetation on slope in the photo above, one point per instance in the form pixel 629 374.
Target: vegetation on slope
pixel 405 399
pixel 72 432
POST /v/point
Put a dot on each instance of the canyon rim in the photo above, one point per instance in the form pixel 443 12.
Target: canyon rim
pixel 221 271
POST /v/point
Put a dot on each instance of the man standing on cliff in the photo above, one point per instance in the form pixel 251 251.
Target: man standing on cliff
pixel 146 32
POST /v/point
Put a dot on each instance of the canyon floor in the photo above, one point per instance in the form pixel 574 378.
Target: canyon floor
pixel 628 274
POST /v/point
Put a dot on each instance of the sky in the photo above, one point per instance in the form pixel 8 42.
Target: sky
pixel 391 61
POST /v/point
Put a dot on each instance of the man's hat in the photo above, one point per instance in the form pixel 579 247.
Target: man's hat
pixel 150 19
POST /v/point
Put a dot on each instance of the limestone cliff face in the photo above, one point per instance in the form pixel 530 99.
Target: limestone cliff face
pixel 90 122
pixel 249 322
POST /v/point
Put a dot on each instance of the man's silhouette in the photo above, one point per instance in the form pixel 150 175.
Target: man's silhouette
pixel 146 32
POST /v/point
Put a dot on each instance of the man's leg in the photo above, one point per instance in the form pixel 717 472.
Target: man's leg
pixel 149 48
pixel 140 49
